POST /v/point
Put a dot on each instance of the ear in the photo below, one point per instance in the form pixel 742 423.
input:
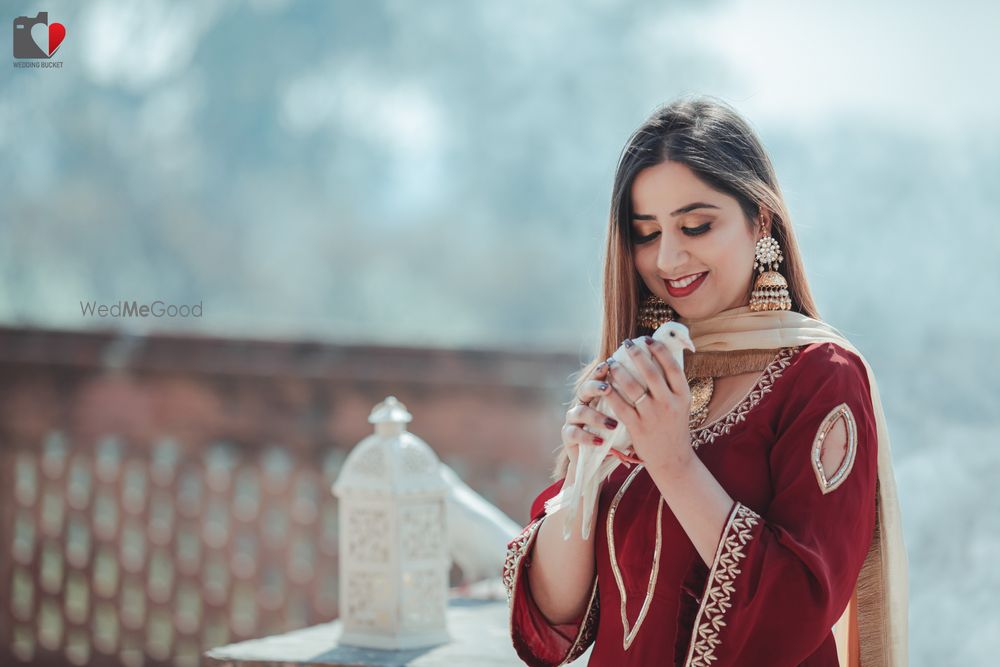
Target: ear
pixel 764 222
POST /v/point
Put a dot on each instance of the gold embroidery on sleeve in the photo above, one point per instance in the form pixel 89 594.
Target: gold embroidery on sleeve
pixel 841 411
pixel 516 551
pixel 720 586
pixel 588 628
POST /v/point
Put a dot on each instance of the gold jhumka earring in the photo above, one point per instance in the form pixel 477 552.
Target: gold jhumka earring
pixel 770 291
pixel 653 312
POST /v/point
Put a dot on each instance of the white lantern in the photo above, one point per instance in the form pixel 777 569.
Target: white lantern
pixel 394 559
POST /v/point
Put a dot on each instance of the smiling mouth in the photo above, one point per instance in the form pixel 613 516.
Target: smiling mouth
pixel 685 281
pixel 686 286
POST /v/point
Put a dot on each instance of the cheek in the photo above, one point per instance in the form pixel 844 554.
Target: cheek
pixel 728 256
pixel 645 261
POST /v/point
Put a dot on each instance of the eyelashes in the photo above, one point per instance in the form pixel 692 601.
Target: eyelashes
pixel 690 231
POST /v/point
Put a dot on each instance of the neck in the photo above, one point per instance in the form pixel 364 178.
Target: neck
pixel 688 321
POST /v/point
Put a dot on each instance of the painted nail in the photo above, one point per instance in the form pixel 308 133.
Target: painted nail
pixel 611 423
pixel 649 340
pixel 603 386
pixel 598 440
pixel 609 361
pixel 629 343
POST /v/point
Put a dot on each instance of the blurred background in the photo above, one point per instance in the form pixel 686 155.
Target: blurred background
pixel 410 198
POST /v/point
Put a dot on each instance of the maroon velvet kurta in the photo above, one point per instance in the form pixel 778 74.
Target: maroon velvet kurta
pixel 789 554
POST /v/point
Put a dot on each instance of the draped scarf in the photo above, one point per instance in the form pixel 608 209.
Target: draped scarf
pixel 873 627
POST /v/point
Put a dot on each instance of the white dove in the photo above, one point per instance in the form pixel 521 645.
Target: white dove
pixel 595 462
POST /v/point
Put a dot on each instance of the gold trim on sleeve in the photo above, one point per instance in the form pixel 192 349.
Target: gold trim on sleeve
pixel 588 628
pixel 516 551
pixel 720 586
pixel 828 485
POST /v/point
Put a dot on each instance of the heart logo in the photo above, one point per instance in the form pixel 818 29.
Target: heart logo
pixel 57 33
pixel 48 37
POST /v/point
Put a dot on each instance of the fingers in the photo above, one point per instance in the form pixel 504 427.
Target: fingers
pixel 574 435
pixel 616 395
pixel 628 384
pixel 649 372
pixel 674 373
pixel 590 390
pixel 584 415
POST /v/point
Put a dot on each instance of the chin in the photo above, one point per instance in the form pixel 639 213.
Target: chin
pixel 695 311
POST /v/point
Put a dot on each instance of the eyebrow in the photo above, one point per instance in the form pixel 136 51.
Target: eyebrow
pixel 682 209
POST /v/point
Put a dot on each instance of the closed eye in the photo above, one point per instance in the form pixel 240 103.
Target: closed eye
pixel 690 231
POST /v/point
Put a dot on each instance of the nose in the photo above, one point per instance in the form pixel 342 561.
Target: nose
pixel 669 254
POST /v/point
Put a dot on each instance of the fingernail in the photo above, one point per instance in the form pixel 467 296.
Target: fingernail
pixel 609 361
pixel 601 367
pixel 628 342
pixel 598 440
pixel 649 340
pixel 611 423
pixel 603 386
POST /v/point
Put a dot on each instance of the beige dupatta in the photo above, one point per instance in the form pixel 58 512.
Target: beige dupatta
pixel 873 628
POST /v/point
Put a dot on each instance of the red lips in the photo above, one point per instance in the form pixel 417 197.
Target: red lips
pixel 684 291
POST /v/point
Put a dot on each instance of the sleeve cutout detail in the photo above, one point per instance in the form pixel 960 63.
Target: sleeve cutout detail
pixel 828 484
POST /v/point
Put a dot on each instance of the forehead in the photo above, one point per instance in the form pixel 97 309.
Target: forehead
pixel 667 186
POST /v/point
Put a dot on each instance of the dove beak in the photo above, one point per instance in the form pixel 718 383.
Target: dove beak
pixel 688 345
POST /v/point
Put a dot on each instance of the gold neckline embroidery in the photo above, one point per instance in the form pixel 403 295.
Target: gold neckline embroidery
pixel 630 633
pixel 724 423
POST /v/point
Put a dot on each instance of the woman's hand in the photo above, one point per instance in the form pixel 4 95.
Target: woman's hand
pixel 581 414
pixel 658 423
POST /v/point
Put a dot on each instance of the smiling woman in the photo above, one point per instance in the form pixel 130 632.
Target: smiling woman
pixel 761 526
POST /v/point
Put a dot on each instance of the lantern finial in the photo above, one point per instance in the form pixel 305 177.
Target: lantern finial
pixel 391 410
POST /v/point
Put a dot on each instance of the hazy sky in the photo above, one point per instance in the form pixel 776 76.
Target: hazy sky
pixel 439 173
pixel 927 67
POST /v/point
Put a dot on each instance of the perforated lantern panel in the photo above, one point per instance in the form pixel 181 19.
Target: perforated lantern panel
pixel 120 554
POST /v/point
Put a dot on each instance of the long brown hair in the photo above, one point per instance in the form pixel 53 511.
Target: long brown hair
pixel 711 138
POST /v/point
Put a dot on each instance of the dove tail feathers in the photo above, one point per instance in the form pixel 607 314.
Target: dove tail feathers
pixel 590 499
pixel 562 501
pixel 580 492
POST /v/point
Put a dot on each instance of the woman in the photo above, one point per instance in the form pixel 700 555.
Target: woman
pixel 761 526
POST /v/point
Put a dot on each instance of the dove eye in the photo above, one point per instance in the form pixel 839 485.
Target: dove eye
pixel 671 334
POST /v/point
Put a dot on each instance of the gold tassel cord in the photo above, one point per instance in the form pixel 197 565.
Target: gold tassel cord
pixel 871 599
pixel 723 364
